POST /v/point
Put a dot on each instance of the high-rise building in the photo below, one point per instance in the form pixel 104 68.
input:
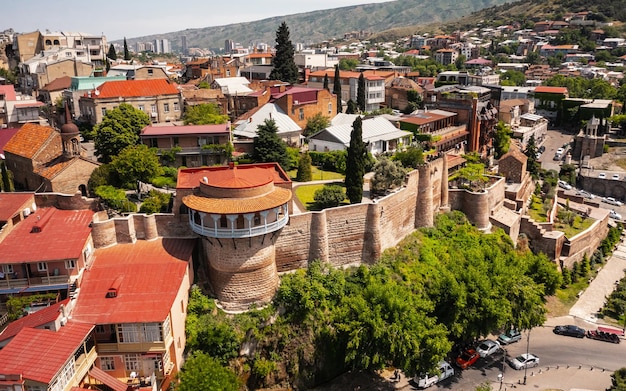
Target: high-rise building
pixel 162 46
pixel 183 44
pixel 229 45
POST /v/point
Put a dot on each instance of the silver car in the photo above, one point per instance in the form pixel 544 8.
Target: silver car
pixel 524 360
pixel 487 348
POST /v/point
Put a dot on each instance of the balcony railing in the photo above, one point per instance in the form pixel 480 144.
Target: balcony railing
pixel 213 232
pixel 12 283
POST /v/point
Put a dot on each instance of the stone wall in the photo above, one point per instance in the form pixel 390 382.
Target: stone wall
pixel 603 187
pixel 584 243
pixel 477 206
pixel 73 177
pixel 66 201
pixel 128 229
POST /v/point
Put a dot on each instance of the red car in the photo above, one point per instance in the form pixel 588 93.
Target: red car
pixel 467 358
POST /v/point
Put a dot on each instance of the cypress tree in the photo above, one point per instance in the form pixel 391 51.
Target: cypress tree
pixel 285 68
pixel 326 81
pixel 355 163
pixel 352 107
pixel 126 52
pixel 304 168
pixel 7 178
pixel 112 53
pixel 337 89
pixel 360 93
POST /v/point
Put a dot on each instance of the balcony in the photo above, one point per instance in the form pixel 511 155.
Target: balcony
pixel 232 232
pixel 33 284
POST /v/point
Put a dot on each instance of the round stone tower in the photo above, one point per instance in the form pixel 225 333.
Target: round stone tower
pixel 239 212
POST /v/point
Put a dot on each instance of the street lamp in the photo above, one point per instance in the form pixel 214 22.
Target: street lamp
pixel 527 347
pixel 501 375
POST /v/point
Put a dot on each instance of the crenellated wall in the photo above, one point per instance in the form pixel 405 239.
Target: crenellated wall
pixel 109 231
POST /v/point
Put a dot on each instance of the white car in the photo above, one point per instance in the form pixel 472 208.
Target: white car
pixel 560 151
pixel 565 185
pixel 612 201
pixel 615 177
pixel 614 215
pixel 487 348
pixel 524 360
pixel 602 175
pixel 585 194
pixel 425 381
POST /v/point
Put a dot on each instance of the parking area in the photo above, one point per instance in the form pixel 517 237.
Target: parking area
pixel 554 140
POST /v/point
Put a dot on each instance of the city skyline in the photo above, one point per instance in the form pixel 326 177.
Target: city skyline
pixel 119 19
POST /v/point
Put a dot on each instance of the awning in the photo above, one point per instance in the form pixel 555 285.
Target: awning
pixel 41 288
pixel 10 291
pixel 106 379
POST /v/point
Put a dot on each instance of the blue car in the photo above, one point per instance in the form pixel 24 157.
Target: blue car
pixel 509 337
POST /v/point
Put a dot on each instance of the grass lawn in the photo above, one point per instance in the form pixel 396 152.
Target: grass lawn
pixel 317 174
pixel 306 193
pixel 564 299
pixel 537 213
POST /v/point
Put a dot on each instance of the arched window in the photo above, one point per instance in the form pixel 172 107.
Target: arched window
pixel 48 42
pixel 56 42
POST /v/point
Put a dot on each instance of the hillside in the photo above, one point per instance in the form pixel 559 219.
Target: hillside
pixel 317 26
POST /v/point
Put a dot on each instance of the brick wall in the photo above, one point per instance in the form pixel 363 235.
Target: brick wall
pixel 73 176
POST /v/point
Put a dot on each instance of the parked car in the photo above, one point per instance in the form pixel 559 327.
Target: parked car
pixel 570 330
pixel 602 175
pixel 542 149
pixel 557 156
pixel 560 151
pixel 585 194
pixel 467 358
pixel 612 201
pixel 510 336
pixel 426 380
pixel 614 215
pixel 565 185
pixel 524 360
pixel 615 177
pixel 487 348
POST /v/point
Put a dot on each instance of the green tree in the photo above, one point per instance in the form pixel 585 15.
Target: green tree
pixel 352 107
pixel 473 174
pixel 112 54
pixel 360 93
pixel 127 56
pixel 532 165
pixel 155 202
pixel 388 174
pixel 136 163
pixel 119 128
pixel 355 163
pixel 6 184
pixel 459 63
pixel 618 380
pixel 304 168
pixel 204 114
pixel 337 89
pixel 268 146
pixel 325 81
pixel 502 139
pixel 532 58
pixel 285 68
pixel 348 64
pixel 568 173
pixel 513 78
pixel 329 196
pixel 102 176
pixel 315 124
pixel 410 157
pixel 202 372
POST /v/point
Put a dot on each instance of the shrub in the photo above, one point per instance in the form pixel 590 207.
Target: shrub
pixel 163 182
pixel 329 196
pixel 156 202
pixel 304 168
pixel 263 367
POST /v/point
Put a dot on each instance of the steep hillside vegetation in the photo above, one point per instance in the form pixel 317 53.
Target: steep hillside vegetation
pixel 317 26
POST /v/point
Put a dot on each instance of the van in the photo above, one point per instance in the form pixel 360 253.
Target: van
pixel 427 380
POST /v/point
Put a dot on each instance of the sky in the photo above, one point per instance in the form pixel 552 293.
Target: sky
pixel 135 18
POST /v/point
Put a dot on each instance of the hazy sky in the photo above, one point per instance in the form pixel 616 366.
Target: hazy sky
pixel 135 18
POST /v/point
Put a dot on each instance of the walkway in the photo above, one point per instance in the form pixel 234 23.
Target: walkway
pixel 593 298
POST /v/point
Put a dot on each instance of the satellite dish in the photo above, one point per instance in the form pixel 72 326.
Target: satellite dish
pixel 26 211
pixel 33 207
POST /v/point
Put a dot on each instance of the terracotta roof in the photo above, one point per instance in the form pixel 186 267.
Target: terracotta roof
pixel 274 199
pixel 189 178
pixel 8 91
pixel 11 203
pixel 551 90
pixel 185 130
pixel 108 380
pixel 39 355
pixel 37 319
pixel 29 140
pixel 368 75
pixel 235 178
pixel 260 55
pixel 58 84
pixel 424 118
pixel 5 136
pixel 147 275
pixel 32 103
pixel 53 169
pixel 135 88
pixel 63 234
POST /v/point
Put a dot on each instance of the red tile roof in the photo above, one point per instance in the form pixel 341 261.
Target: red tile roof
pixel 135 88
pixel 63 236
pixel 39 355
pixel 32 103
pixel 58 84
pixel 551 90
pixel 189 178
pixel 5 136
pixel 29 140
pixel 8 91
pixel 37 319
pixel 185 130
pixel 147 275
pixel 11 203
pixel 108 380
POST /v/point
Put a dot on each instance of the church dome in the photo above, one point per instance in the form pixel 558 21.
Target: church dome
pixel 69 129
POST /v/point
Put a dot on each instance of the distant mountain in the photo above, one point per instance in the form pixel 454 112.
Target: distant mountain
pixel 317 26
